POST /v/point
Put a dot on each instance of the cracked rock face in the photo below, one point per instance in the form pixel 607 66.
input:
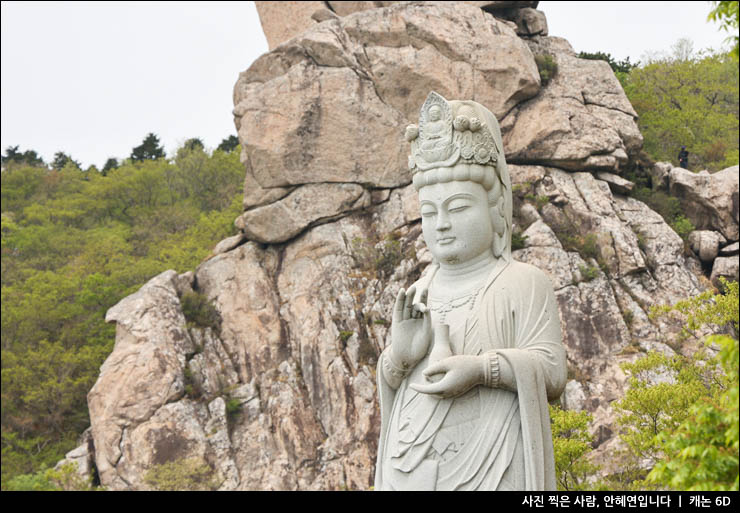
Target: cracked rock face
pixel 282 394
pixel 329 106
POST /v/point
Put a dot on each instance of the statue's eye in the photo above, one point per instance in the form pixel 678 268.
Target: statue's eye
pixel 458 205
pixel 428 212
pixel 459 208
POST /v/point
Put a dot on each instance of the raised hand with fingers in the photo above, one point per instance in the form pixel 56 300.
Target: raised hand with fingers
pixel 411 331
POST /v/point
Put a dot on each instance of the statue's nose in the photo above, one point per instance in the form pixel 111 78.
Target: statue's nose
pixel 443 223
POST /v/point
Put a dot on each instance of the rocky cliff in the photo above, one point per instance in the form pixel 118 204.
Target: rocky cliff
pixel 280 394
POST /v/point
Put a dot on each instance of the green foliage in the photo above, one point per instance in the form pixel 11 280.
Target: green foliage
pixel 73 245
pixel 588 272
pixel 149 149
pixel 200 311
pixel 344 336
pixel 726 13
pixel 683 227
pixel 682 412
pixel 702 452
pixel 572 444
pixel 62 160
pixel 194 143
pixel 538 201
pixel 687 99
pixel 547 67
pixel 233 409
pixel 586 245
pixel 184 474
pixel 229 144
pixel 13 157
pixel 66 478
pixel 378 257
pixel 623 66
pixel 517 241
pixel 110 165
pixel 668 207
pixel 661 391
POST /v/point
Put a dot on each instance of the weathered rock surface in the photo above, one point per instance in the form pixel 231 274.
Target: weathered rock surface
pixel 710 201
pixel 286 218
pixel 581 121
pixel 281 394
pixel 616 183
pixel 529 22
pixel 282 21
pixel 730 249
pixel 725 267
pixel 706 243
pixel 329 105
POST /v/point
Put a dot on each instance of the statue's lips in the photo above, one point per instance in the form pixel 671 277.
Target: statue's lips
pixel 445 240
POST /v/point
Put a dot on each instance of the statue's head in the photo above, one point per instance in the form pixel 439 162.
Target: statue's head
pixel 462 179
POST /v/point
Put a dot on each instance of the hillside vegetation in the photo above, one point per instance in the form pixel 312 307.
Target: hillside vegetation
pixel 74 243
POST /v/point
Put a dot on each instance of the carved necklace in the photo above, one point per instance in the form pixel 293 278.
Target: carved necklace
pixel 444 306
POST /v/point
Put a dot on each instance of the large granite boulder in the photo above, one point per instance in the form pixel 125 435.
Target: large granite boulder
pixel 710 201
pixel 329 105
pixel 282 21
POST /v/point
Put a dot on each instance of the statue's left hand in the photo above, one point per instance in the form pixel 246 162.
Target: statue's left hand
pixel 461 373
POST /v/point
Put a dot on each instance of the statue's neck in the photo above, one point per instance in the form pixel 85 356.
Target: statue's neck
pixel 456 277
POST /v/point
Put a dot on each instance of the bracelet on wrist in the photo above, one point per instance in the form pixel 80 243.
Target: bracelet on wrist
pixel 491 375
pixel 392 368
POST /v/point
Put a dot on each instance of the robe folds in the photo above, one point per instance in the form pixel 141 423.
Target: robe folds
pixel 487 438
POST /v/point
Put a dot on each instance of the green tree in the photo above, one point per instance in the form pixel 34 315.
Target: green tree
pixel 229 144
pixel 149 149
pixel 623 66
pixel 726 13
pixel 680 414
pixel 14 157
pixel 73 245
pixel 61 160
pixel 687 99
pixel 702 452
pixel 572 445
pixel 194 144
pixel 110 165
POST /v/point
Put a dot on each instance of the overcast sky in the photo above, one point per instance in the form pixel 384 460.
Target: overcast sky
pixel 92 79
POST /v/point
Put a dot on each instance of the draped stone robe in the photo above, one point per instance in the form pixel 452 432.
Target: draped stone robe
pixel 485 439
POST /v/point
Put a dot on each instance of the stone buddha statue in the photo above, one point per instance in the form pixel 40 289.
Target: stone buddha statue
pixel 476 350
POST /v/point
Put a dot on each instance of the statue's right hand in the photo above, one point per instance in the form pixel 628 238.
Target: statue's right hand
pixel 411 331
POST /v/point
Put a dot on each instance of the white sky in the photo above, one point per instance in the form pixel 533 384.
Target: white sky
pixel 92 79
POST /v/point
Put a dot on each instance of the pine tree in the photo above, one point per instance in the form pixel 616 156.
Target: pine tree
pixel 150 149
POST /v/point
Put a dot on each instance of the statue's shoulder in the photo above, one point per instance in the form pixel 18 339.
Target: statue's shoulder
pixel 521 273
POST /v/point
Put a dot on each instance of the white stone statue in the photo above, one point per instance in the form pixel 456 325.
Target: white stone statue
pixel 476 350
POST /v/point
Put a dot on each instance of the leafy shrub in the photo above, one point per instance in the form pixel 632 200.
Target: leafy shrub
pixel 572 443
pixel 517 240
pixel 588 272
pixel 546 66
pixel 200 311
pixel 65 478
pixel 186 474
pixel 378 257
pixel 682 412
pixel 668 207
pixel 682 226
pixel 233 409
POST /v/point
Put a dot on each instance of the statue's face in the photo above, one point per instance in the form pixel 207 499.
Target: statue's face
pixel 455 220
pixel 435 114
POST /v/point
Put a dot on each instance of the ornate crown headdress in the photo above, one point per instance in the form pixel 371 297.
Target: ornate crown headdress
pixel 442 141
